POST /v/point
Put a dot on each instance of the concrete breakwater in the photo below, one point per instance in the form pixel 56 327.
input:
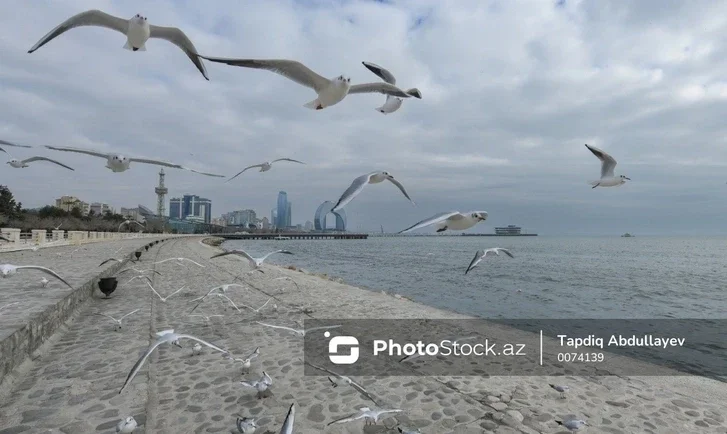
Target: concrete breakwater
pixel 73 385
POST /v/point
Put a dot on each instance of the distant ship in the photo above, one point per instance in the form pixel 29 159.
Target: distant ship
pixel 626 235
pixel 508 231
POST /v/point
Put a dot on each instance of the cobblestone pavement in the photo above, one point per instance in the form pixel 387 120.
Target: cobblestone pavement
pixel 73 386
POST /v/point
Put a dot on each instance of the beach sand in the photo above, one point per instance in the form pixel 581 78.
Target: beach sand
pixel 72 384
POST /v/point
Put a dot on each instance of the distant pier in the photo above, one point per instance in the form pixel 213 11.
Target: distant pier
pixel 295 236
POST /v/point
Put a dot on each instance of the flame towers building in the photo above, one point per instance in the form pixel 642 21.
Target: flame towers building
pixel 283 217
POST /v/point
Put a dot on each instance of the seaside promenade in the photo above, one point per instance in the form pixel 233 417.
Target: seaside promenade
pixel 71 383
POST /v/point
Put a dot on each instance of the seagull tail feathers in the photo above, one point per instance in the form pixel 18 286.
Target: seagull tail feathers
pixel 127 46
pixel 414 92
pixel 313 105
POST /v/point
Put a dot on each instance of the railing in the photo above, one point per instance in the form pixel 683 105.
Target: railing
pixel 39 238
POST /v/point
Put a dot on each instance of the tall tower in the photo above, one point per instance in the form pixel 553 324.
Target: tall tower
pixel 161 192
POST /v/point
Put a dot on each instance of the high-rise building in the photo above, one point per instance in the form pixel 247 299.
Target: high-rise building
pixel 265 223
pixel 243 217
pixel 190 206
pixel 289 215
pixel 100 208
pixel 282 211
pixel 67 203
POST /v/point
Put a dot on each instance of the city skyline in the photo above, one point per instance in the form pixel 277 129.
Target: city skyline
pixel 502 132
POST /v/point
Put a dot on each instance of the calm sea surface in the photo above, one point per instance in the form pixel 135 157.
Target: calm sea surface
pixel 598 277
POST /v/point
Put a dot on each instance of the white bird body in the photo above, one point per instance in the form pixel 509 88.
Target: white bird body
pixel 260 385
pixel 197 349
pixel 392 103
pixel 453 220
pixel 247 361
pixel 608 164
pixel 246 425
pixel 137 34
pixel 560 388
pixel 118 321
pixel 44 282
pixel 332 94
pixel 573 424
pixel 127 425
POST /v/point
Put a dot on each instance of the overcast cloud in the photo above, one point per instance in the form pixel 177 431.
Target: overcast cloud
pixel 512 90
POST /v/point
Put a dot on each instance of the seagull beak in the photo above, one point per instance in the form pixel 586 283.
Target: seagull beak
pixel 627 178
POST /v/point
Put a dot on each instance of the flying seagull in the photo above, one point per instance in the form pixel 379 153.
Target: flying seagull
pixel 264 167
pixel 19 164
pixel 120 163
pixel 222 288
pixel 136 29
pixel 118 321
pixel 260 385
pixel 180 261
pixel 392 103
pixel 362 181
pixel 482 254
pixel 111 260
pixel 330 91
pixel 301 331
pixel 246 362
pixel 255 263
pixel 138 271
pixel 207 320
pixel 608 164
pixel 164 299
pixel 257 310
pixel 370 416
pixel 359 388
pixel 9 270
pixel 166 336
pixel 453 220
pixel 128 222
pixel 288 278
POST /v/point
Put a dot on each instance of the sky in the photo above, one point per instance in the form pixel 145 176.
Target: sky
pixel 512 90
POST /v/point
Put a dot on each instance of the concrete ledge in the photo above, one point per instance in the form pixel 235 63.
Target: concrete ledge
pixel 21 344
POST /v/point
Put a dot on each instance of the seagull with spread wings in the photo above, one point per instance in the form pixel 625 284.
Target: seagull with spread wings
pixel 452 220
pixel 118 321
pixel 7 270
pixel 359 388
pixel 264 167
pixel 482 254
pixel 330 91
pixel 301 331
pixel 392 103
pixel 608 164
pixel 136 29
pixel 255 263
pixel 121 163
pixel 19 164
pixel 362 181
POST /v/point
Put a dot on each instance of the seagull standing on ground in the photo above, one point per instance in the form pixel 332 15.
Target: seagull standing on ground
pixel 136 29
pixel 7 270
pixel 19 164
pixel 255 263
pixel 392 103
pixel 264 167
pixel 453 220
pixel 44 282
pixel 121 163
pixel 482 254
pixel 561 389
pixel 166 336
pixel 572 424
pixel 362 181
pixel 118 321
pixel 608 164
pixel 127 425
pixel 330 91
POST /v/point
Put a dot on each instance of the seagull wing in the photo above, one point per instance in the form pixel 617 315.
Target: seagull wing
pixel 252 384
pixel 401 187
pixel 278 327
pixel 608 164
pixel 430 221
pixel 351 418
pixel 3 142
pixel 137 366
pixel 277 251
pixel 178 38
pixel 289 421
pixel 155 291
pixel 203 342
pixel 290 69
pixel 240 173
pixel 109 317
pixel 130 313
pixel 79 151
pixel 353 190
pixel 111 260
pixel 89 18
pixel 378 87
pixel 195 263
pixel 476 260
pixel 254 354
pixel 242 253
pixel 287 159
pixel 175 292
pixel 505 251
pixel 383 73
pixel 31 159
pixel 230 300
pixel 45 270
pixel 266 303
pixel 266 379
pixel 362 391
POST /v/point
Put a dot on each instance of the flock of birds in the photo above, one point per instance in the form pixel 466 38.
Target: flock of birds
pixel 329 92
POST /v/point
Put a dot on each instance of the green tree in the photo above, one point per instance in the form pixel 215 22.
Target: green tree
pixel 76 212
pixel 8 207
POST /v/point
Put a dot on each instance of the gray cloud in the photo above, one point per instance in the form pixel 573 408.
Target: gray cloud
pixel 512 91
